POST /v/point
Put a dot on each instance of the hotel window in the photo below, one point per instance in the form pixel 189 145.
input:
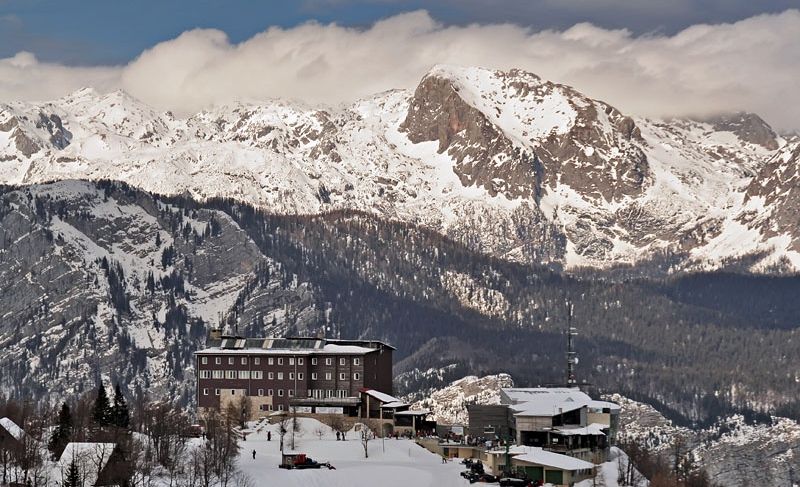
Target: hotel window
pixel 244 360
pixel 261 392
pixel 280 407
pixel 356 361
pixel 271 375
pixel 257 374
pixel 291 392
pixel 205 374
pixel 313 376
pixel 356 376
pixel 270 361
pixel 280 392
pixel 299 376
pixel 342 361
pixel 217 360
pixel 291 375
pixel 310 392
pixel 280 375
pixel 269 406
pixel 280 360
pixel 328 361
pixel 341 393
pixel 233 392
pixel 300 361
pixel 257 361
pixel 314 361
pixel 230 360
pixel 269 392
pixel 216 392
pixel 244 374
pixel 230 374
pixel 291 360
pixel 219 374
pixel 342 376
pixel 204 360
pixel 328 376
pixel 205 392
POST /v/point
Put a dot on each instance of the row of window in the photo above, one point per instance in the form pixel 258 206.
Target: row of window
pixel 327 393
pixel 270 392
pixel 315 393
pixel 258 375
pixel 271 360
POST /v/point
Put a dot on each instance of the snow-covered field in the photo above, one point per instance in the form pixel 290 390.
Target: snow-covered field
pixel 391 463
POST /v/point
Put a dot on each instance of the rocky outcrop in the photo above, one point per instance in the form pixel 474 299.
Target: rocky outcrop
pixel 483 156
pixel 749 127
pixel 774 197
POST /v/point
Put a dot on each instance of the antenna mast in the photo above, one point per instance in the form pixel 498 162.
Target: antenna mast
pixel 572 355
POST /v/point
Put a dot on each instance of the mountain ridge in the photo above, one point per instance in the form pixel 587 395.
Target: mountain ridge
pixel 504 162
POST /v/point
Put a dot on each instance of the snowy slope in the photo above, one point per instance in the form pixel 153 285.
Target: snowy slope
pixel 510 164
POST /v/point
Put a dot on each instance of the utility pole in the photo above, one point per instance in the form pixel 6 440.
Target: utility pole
pixel 572 355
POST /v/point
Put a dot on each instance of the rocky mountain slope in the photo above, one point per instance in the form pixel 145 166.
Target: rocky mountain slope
pixel 104 280
pixel 503 162
pixel 448 404
pixel 735 450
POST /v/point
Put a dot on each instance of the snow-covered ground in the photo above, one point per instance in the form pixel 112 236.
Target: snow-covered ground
pixel 391 463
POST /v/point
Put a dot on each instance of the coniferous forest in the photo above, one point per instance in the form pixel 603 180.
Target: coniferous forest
pixel 697 345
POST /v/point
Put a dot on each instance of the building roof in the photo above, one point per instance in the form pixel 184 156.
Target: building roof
pixel 12 428
pixel 415 412
pixel 91 459
pixel 380 396
pixel 291 346
pixel 549 401
pixel 395 405
pixel 538 456
pixel 594 429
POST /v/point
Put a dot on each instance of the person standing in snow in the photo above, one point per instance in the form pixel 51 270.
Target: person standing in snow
pixel 269 435
pixel 254 454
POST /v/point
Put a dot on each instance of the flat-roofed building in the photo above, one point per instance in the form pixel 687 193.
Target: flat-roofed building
pixel 276 372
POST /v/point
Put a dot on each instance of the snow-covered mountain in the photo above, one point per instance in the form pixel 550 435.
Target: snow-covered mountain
pixel 505 162
pixel 448 404
pixel 734 450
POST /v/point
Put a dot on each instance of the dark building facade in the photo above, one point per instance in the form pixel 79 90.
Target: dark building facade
pixel 276 372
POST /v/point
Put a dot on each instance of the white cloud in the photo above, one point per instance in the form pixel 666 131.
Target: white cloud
pixel 749 65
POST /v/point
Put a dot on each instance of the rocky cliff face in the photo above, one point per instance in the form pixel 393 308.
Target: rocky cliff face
pixel 102 282
pixel 504 162
pixel 734 450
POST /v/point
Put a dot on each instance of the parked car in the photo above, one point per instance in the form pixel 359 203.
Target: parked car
pixel 514 482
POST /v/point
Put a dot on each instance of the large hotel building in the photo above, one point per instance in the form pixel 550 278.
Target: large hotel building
pixel 318 374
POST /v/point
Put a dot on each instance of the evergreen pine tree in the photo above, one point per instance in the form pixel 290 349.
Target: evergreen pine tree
pixel 73 478
pixel 101 414
pixel 120 417
pixel 62 433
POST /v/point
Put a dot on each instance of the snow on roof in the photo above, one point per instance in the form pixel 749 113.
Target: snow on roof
pixel 12 428
pixel 594 429
pixel 395 404
pixel 329 348
pixel 416 412
pixel 512 450
pixel 555 460
pixel 550 401
pixel 603 405
pixel 382 397
pixel 91 458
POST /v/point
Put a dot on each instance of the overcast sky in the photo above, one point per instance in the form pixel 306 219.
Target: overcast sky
pixel 648 57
